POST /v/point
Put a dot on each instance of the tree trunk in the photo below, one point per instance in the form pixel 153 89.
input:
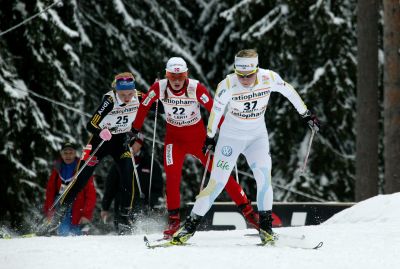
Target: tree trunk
pixel 391 80
pixel 367 101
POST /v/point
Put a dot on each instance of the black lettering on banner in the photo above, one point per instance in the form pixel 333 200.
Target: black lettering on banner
pixel 124 119
pixel 247 105
pixel 176 109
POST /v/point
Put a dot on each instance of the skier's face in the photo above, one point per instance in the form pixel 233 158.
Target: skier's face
pixel 68 155
pixel 247 78
pixel 176 80
pixel 176 84
pixel 126 95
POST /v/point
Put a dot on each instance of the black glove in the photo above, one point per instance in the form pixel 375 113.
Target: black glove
pixel 209 145
pixel 312 120
pixel 132 136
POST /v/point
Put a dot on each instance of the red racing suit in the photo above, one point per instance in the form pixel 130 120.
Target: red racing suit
pixel 185 133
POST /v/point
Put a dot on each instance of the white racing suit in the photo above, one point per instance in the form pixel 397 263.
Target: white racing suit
pixel 243 131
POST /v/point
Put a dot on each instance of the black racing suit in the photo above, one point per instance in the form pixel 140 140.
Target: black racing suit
pixel 117 147
pixel 113 193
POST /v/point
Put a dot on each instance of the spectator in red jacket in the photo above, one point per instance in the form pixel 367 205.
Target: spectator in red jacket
pixel 81 212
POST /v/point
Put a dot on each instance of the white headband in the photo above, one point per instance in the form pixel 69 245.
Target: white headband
pixel 246 64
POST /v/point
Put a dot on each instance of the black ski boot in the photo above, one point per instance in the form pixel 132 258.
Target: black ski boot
pixel 125 222
pixel 187 230
pixel 267 236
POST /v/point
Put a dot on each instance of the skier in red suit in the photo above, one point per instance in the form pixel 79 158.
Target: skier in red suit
pixel 185 134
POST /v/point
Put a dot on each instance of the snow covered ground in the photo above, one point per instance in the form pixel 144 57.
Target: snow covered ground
pixel 366 235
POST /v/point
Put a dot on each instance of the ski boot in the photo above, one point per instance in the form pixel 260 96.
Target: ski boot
pixel 50 225
pixel 174 222
pixel 267 236
pixel 125 222
pixel 251 216
pixel 187 230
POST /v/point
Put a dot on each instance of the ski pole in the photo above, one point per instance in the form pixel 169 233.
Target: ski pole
pixel 74 178
pixel 300 172
pixel 205 171
pixel 303 169
pixel 237 173
pixel 152 153
pixel 136 174
pixel 154 141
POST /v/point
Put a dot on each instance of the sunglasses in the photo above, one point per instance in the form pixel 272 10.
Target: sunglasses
pixel 249 75
pixel 126 79
pixel 176 76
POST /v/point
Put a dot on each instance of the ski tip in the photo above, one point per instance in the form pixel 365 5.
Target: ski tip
pixel 5 236
pixel 146 241
pixel 9 236
pixel 320 244
pixel 29 235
